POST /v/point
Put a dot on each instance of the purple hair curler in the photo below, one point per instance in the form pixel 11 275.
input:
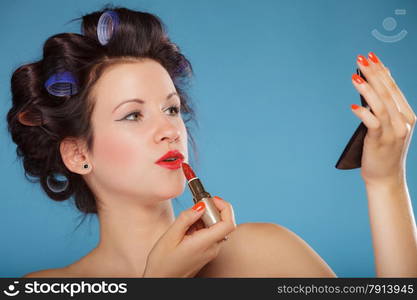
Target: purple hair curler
pixel 62 84
pixel 106 26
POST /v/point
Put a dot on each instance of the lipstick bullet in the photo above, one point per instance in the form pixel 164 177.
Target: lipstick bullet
pixel 211 215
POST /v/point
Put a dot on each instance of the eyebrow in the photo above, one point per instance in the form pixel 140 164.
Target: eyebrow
pixel 142 101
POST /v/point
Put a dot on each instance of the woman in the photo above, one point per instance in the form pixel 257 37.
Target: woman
pixel 102 108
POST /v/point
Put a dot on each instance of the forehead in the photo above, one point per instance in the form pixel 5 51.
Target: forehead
pixel 145 79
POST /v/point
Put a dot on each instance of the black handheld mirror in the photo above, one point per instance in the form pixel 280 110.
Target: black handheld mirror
pixel 351 157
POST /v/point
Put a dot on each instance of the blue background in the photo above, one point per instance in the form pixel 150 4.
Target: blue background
pixel 272 89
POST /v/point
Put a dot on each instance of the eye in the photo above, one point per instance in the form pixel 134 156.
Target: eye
pixel 173 110
pixel 135 113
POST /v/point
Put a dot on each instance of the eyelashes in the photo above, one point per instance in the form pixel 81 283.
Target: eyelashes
pixel 138 113
pixel 173 111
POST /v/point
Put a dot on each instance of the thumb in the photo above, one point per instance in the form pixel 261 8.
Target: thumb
pixel 185 219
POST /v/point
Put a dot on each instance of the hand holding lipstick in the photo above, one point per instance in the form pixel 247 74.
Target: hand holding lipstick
pixel 178 254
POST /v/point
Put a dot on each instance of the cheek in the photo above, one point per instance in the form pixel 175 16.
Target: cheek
pixel 184 140
pixel 116 150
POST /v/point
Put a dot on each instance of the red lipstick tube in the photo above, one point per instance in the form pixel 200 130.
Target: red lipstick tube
pixel 211 215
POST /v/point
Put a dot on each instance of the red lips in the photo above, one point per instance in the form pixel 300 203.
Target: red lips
pixel 171 160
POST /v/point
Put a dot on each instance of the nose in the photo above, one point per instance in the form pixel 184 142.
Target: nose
pixel 167 131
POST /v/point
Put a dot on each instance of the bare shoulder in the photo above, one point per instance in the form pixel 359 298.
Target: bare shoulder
pixel 266 250
pixel 84 267
pixel 49 273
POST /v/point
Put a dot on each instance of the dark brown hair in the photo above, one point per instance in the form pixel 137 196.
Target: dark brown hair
pixel 49 119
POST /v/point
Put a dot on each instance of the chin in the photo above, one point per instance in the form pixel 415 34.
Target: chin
pixel 169 192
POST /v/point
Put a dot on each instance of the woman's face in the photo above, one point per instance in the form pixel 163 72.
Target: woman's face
pixel 130 137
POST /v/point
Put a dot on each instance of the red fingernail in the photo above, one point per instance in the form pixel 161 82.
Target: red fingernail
pixel 199 206
pixel 362 60
pixel 357 78
pixel 373 57
pixel 354 106
pixel 218 197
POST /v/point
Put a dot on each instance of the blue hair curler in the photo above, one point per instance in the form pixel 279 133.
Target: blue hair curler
pixel 106 26
pixel 62 84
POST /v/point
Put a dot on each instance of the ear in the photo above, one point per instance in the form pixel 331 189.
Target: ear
pixel 74 155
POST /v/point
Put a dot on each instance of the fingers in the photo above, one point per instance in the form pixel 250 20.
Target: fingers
pixel 225 209
pixel 372 72
pixel 404 106
pixel 374 123
pixel 226 212
pixel 186 227
pixel 184 220
pixel 199 224
pixel 378 108
pixel 370 121
pixel 384 98
pixel 220 230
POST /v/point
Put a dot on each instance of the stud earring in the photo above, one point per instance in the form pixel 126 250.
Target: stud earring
pixel 85 166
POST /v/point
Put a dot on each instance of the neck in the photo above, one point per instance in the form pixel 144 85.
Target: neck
pixel 127 234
